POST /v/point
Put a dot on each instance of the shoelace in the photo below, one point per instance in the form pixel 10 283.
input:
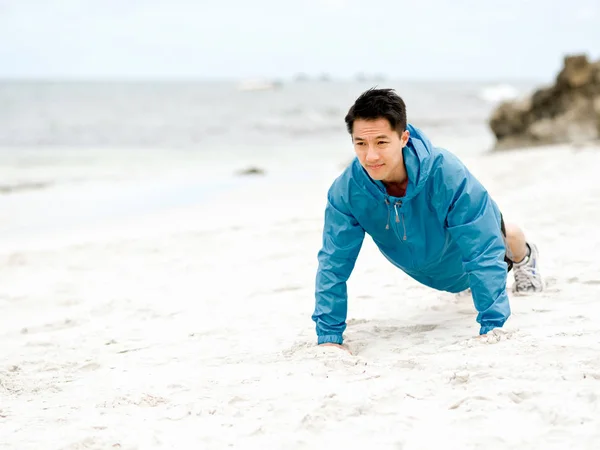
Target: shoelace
pixel 525 277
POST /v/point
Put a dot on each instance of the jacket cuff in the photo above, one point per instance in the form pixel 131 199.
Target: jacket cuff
pixel 330 339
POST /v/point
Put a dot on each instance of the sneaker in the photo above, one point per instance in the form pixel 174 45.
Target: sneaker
pixel 527 275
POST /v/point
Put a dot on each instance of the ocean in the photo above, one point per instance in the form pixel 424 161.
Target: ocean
pixel 75 153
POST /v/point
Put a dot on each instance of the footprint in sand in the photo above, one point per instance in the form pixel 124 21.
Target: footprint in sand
pixel 577 280
pixel 519 397
pixel 361 334
pixel 406 330
pixel 144 400
pixel 406 364
pixel 476 402
pixel 52 326
pixel 287 289
pixel 89 367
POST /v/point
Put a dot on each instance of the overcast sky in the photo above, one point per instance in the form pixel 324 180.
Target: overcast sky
pixel 433 39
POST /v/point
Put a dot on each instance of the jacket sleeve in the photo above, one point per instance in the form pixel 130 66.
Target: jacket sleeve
pixel 342 241
pixel 473 220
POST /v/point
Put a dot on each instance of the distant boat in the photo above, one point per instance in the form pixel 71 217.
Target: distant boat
pixel 258 85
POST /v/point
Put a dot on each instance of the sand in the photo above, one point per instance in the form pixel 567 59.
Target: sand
pixel 193 330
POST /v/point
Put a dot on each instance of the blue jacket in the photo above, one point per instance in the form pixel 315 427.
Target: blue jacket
pixel 445 233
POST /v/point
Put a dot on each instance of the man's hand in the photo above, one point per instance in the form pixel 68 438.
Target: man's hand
pixel 495 335
pixel 335 345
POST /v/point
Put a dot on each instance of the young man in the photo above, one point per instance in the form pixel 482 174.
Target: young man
pixel 427 214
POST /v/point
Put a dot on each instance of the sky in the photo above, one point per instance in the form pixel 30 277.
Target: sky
pixel 240 39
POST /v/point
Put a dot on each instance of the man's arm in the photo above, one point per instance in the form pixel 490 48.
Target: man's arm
pixel 473 220
pixel 342 241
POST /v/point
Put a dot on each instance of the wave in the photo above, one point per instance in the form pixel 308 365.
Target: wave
pixel 20 187
pixel 499 93
pixel 318 124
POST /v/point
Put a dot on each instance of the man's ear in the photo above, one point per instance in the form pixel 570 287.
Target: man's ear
pixel 404 137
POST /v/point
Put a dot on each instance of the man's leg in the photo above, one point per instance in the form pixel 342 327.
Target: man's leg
pixel 517 244
pixel 525 261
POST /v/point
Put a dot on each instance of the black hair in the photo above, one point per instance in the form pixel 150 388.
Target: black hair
pixel 377 104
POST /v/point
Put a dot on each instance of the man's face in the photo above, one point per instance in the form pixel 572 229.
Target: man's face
pixel 379 149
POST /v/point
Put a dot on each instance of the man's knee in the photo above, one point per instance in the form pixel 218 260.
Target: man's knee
pixel 517 244
pixel 513 231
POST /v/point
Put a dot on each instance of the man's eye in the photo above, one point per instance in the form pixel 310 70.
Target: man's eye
pixel 382 142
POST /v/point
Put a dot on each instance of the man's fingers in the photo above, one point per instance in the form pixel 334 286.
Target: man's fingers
pixel 336 345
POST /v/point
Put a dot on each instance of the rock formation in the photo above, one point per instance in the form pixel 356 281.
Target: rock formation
pixel 568 111
pixel 251 171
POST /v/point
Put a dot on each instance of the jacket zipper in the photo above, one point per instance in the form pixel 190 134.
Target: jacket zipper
pixel 387 225
pixel 403 226
pixel 396 205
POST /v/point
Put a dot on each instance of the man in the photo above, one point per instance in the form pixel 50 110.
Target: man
pixel 427 214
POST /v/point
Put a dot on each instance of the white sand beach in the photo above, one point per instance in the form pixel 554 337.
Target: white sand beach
pixel 192 329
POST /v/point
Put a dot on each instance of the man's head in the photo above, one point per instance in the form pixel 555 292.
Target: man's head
pixel 377 124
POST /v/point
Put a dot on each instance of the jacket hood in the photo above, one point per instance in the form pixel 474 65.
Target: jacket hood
pixel 418 161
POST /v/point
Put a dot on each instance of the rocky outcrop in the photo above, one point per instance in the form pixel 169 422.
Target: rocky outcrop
pixel 568 111
pixel 251 171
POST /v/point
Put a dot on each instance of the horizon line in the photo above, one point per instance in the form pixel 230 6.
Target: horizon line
pixel 295 79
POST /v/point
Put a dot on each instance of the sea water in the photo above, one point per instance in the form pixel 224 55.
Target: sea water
pixel 75 154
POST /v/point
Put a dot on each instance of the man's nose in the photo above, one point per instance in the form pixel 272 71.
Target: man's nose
pixel 372 154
